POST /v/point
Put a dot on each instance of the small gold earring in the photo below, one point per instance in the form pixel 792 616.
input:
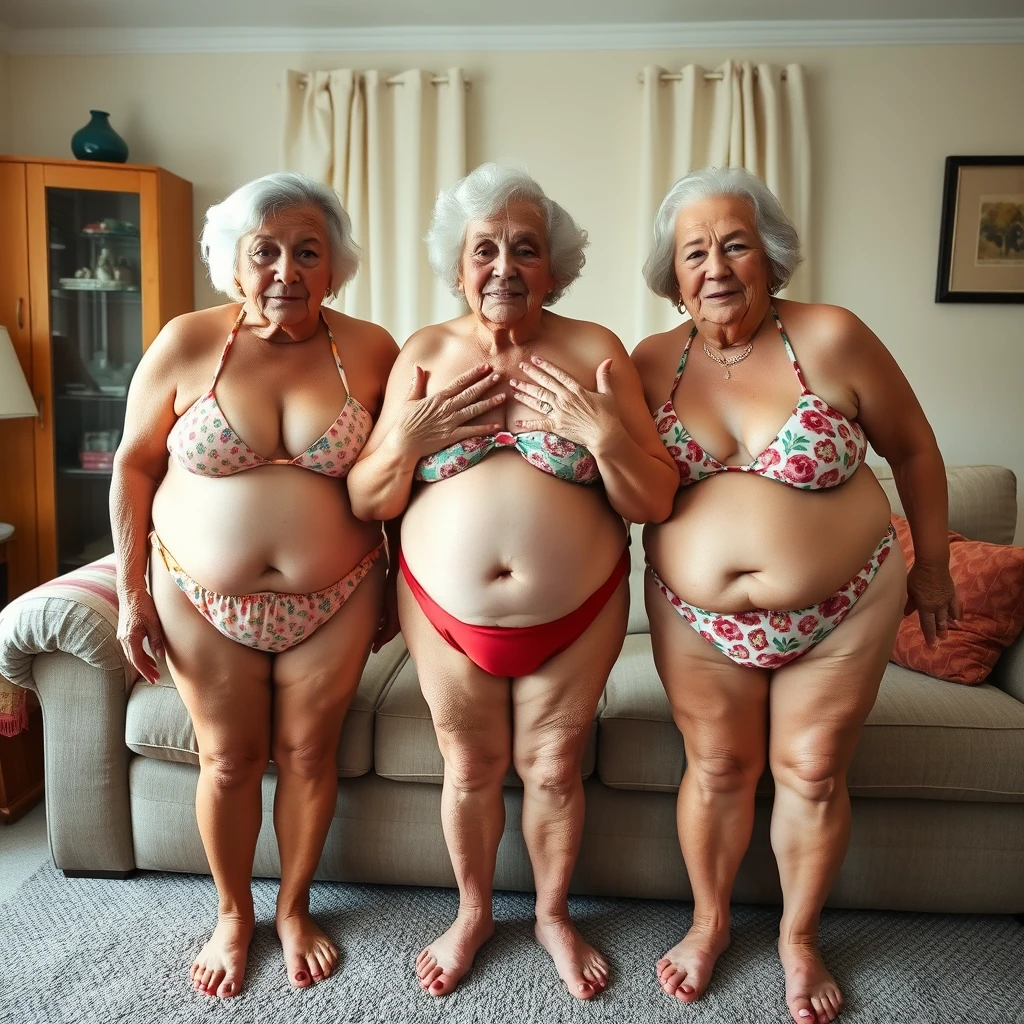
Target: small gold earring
pixel 680 308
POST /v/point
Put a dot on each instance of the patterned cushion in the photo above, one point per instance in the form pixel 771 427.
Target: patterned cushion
pixel 989 581
pixel 75 614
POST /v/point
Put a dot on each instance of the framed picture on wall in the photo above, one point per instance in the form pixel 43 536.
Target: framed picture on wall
pixel 981 244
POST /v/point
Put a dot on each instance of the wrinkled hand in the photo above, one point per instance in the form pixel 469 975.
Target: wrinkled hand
pixel 426 425
pixel 930 592
pixel 570 410
pixel 137 621
pixel 389 626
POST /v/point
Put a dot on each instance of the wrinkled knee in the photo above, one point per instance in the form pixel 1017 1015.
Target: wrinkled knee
pixel 234 768
pixel 812 777
pixel 724 771
pixel 470 768
pixel 555 773
pixel 307 759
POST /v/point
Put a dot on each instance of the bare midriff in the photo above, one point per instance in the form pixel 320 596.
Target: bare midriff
pixel 278 528
pixel 737 541
pixel 504 544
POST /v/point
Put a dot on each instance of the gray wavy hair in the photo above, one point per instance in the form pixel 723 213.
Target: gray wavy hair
pixel 252 205
pixel 776 231
pixel 482 194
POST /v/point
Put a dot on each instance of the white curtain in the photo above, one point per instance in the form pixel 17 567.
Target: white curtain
pixel 738 115
pixel 386 149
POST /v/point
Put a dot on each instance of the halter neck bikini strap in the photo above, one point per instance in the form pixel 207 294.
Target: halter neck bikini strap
pixel 227 345
pixel 789 350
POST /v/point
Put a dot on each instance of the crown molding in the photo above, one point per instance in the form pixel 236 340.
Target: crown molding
pixel 433 38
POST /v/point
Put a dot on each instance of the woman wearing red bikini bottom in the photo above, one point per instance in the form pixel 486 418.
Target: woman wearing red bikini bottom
pixel 265 591
pixel 514 442
pixel 775 588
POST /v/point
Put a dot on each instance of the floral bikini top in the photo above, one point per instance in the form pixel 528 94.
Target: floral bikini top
pixel 553 454
pixel 205 443
pixel 817 447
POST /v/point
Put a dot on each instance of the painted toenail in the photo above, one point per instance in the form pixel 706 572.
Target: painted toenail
pixel 300 976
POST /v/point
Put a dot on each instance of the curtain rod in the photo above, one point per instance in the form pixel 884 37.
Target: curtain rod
pixel 397 80
pixel 709 76
pixel 436 80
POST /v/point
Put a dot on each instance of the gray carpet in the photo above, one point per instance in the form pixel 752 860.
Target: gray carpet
pixel 100 952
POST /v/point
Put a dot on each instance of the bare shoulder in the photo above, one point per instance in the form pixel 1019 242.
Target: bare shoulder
pixel 825 329
pixel 370 340
pixel 436 342
pixel 191 338
pixel 588 341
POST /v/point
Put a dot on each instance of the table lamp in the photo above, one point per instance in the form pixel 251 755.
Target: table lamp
pixel 15 400
pixel 15 397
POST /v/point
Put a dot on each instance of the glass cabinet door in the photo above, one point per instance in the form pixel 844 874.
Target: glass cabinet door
pixel 96 343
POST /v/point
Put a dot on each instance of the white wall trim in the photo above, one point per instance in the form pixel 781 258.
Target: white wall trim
pixel 433 38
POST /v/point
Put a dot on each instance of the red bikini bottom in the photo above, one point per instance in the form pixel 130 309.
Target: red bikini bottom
pixel 514 650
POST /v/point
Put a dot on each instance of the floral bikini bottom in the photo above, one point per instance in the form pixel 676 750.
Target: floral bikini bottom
pixel 769 639
pixel 267 621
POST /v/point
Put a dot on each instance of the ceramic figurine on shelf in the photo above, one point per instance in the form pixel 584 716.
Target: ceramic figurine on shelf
pixel 123 272
pixel 104 270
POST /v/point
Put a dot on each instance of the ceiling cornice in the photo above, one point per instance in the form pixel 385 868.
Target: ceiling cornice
pixel 433 38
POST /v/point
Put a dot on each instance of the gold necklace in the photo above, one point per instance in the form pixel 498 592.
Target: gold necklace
pixel 729 361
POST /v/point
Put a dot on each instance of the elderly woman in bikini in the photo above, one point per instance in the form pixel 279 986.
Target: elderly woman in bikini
pixel 264 590
pixel 515 442
pixel 775 588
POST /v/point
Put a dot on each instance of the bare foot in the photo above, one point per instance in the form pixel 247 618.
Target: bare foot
pixel 220 966
pixel 685 970
pixel 308 954
pixel 443 964
pixel 583 970
pixel 812 994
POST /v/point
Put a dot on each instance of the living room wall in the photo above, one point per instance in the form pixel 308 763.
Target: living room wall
pixel 883 120
pixel 5 101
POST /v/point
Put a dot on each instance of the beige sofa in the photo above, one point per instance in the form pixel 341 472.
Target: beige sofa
pixel 937 783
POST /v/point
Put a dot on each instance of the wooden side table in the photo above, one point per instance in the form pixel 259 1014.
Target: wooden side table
pixel 21 756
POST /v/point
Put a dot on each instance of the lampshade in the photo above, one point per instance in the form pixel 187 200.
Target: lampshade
pixel 15 397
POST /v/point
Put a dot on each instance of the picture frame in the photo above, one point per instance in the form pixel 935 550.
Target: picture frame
pixel 981 240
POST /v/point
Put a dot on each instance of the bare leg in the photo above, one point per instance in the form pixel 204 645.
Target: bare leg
pixel 314 683
pixel 818 705
pixel 226 688
pixel 472 719
pixel 721 710
pixel 553 710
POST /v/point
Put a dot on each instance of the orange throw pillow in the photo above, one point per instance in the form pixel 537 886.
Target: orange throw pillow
pixel 989 581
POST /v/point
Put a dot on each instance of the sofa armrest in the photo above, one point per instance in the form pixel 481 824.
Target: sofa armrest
pixel 75 614
pixel 1008 673
pixel 60 641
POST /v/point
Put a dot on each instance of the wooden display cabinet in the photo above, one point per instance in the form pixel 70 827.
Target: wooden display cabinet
pixel 80 338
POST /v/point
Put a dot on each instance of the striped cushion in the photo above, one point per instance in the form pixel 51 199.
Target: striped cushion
pixel 75 614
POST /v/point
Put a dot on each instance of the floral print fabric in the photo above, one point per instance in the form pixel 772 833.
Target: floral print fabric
pixel 204 442
pixel 769 639
pixel 267 621
pixel 818 446
pixel 548 452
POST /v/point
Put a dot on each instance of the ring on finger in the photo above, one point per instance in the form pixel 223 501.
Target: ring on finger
pixel 545 407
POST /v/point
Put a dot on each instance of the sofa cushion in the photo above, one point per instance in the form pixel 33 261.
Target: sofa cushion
pixel 405 747
pixel 989 580
pixel 924 738
pixel 982 500
pixel 158 726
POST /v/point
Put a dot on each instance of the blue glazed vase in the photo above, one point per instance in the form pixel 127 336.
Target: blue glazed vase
pixel 98 141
